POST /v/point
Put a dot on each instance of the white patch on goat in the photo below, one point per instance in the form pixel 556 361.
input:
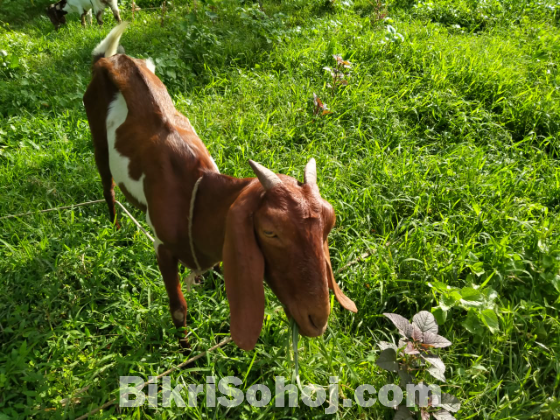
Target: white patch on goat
pixel 75 8
pixel 150 64
pixel 179 315
pixel 118 163
pixel 157 241
pixel 214 162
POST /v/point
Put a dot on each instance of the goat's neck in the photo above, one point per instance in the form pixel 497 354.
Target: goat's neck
pixel 215 196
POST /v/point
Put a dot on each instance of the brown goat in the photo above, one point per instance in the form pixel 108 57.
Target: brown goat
pixel 273 227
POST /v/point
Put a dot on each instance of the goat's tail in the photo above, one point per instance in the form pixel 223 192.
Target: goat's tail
pixel 110 45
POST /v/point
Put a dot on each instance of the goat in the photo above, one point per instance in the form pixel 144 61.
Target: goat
pixel 271 227
pixel 57 12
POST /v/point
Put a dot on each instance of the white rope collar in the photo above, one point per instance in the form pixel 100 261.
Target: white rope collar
pixel 191 278
pixel 191 214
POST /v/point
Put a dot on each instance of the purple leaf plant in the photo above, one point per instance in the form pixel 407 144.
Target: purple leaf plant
pixel 414 354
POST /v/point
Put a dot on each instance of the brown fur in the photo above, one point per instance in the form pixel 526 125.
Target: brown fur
pixel 279 234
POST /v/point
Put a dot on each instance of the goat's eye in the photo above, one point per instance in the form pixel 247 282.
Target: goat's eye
pixel 269 234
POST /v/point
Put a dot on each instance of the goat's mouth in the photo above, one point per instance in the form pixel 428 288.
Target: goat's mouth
pixel 307 326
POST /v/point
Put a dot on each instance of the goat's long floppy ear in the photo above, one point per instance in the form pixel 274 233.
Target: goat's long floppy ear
pixel 344 301
pixel 244 270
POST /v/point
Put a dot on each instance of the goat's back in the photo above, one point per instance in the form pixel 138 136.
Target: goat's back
pixel 153 126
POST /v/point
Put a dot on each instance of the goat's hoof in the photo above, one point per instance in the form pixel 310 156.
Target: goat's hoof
pixel 185 345
pixel 217 268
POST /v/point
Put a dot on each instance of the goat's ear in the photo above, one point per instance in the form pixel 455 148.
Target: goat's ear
pixel 244 270
pixel 344 301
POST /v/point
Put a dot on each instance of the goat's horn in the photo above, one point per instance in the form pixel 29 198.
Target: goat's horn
pixel 310 176
pixel 267 178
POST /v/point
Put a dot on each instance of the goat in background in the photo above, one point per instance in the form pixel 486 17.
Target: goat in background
pixel 57 12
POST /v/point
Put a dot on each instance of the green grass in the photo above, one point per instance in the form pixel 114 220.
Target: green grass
pixel 441 155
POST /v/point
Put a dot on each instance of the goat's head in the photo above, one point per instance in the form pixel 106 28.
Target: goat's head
pixel 277 229
pixel 56 14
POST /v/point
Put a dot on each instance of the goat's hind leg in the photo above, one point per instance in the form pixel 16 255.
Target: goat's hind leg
pixel 116 14
pixel 99 17
pixel 168 265
pixel 102 161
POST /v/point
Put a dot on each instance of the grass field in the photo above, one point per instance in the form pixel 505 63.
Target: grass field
pixel 440 155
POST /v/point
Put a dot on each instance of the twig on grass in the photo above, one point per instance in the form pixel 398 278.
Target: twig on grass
pixel 47 210
pixel 79 205
pixel 135 221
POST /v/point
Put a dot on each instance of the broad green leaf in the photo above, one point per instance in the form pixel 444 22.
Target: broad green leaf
pixel 388 360
pixel 471 298
pixel 403 413
pixel 447 301
pixel 490 319
pixel 439 314
pixel 405 377
pixel 473 324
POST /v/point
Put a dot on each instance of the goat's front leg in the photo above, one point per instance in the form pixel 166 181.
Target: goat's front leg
pixel 116 14
pixel 82 14
pixel 168 265
pixel 83 17
pixel 99 17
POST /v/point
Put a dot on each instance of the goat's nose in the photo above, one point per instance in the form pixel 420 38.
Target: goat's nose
pixel 319 321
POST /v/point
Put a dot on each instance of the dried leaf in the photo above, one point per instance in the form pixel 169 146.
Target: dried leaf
pixel 320 107
pixel 443 415
pixel 434 340
pixel 424 415
pixel 426 322
pixel 388 360
pixel 402 324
